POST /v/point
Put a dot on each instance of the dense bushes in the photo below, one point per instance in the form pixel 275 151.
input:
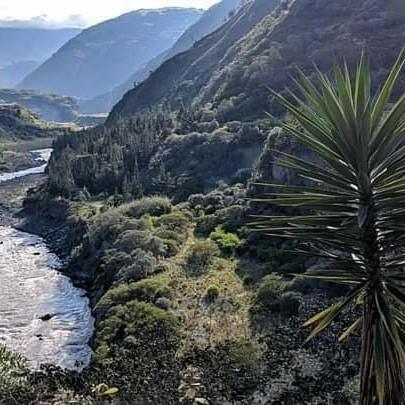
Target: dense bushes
pixel 272 298
pixel 201 255
pixel 154 206
pixel 148 290
pixel 129 323
pixel 226 241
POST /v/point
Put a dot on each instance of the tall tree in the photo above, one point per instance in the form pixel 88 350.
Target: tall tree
pixel 353 212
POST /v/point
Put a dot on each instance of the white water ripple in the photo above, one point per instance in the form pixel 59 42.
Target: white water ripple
pixel 31 288
pixel 43 155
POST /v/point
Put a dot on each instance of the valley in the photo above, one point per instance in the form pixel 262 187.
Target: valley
pixel 231 232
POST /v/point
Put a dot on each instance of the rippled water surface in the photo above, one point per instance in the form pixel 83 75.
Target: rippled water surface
pixel 43 155
pixel 42 314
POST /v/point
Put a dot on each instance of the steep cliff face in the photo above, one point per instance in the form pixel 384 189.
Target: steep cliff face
pixel 262 45
pixel 103 55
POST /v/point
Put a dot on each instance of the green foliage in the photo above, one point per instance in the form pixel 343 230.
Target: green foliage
pixel 175 222
pixel 226 241
pixel 352 212
pixel 13 371
pixel 142 265
pixel 231 219
pixel 269 291
pixel 245 354
pixel 127 323
pixel 201 255
pixel 154 206
pixel 147 290
pixel 212 293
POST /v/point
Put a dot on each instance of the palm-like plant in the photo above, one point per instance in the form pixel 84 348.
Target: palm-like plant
pixel 354 207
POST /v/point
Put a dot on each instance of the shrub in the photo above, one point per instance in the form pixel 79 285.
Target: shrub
pixel 133 323
pixel 231 219
pixel 143 264
pixel 133 239
pixel 175 221
pixel 201 255
pixel 303 285
pixel 289 303
pixel 154 206
pixel 212 294
pixel 226 241
pixel 270 290
pixel 245 354
pixel 147 290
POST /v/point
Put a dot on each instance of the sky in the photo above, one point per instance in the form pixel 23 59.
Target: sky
pixel 81 13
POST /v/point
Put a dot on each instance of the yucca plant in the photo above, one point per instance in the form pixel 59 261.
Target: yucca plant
pixel 353 212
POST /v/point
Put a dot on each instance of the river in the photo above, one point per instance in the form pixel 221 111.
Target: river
pixel 42 314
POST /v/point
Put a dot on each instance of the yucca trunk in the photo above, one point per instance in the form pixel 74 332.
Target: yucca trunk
pixel 394 393
pixel 368 391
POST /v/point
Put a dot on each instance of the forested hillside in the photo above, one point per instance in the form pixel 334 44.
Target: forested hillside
pixel 152 210
pixel 98 59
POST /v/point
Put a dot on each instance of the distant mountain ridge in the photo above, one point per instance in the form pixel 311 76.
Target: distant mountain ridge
pixel 211 20
pixel 101 56
pixel 261 46
pixel 180 78
pixel 31 44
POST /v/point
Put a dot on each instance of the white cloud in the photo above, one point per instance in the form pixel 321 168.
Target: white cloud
pixel 83 12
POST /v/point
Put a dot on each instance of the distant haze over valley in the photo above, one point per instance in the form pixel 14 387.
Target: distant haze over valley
pixel 23 49
pixel 103 55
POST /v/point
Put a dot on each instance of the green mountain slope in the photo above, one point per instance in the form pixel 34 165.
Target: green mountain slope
pixel 101 56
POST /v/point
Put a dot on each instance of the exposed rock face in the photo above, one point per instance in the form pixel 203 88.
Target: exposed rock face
pixel 261 47
pixel 103 55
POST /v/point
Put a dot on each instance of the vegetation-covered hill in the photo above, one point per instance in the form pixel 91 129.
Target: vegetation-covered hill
pixel 231 71
pixel 49 107
pixel 19 123
pixel 212 19
pixel 101 56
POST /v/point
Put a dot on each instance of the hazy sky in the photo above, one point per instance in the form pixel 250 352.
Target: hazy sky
pixel 83 12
